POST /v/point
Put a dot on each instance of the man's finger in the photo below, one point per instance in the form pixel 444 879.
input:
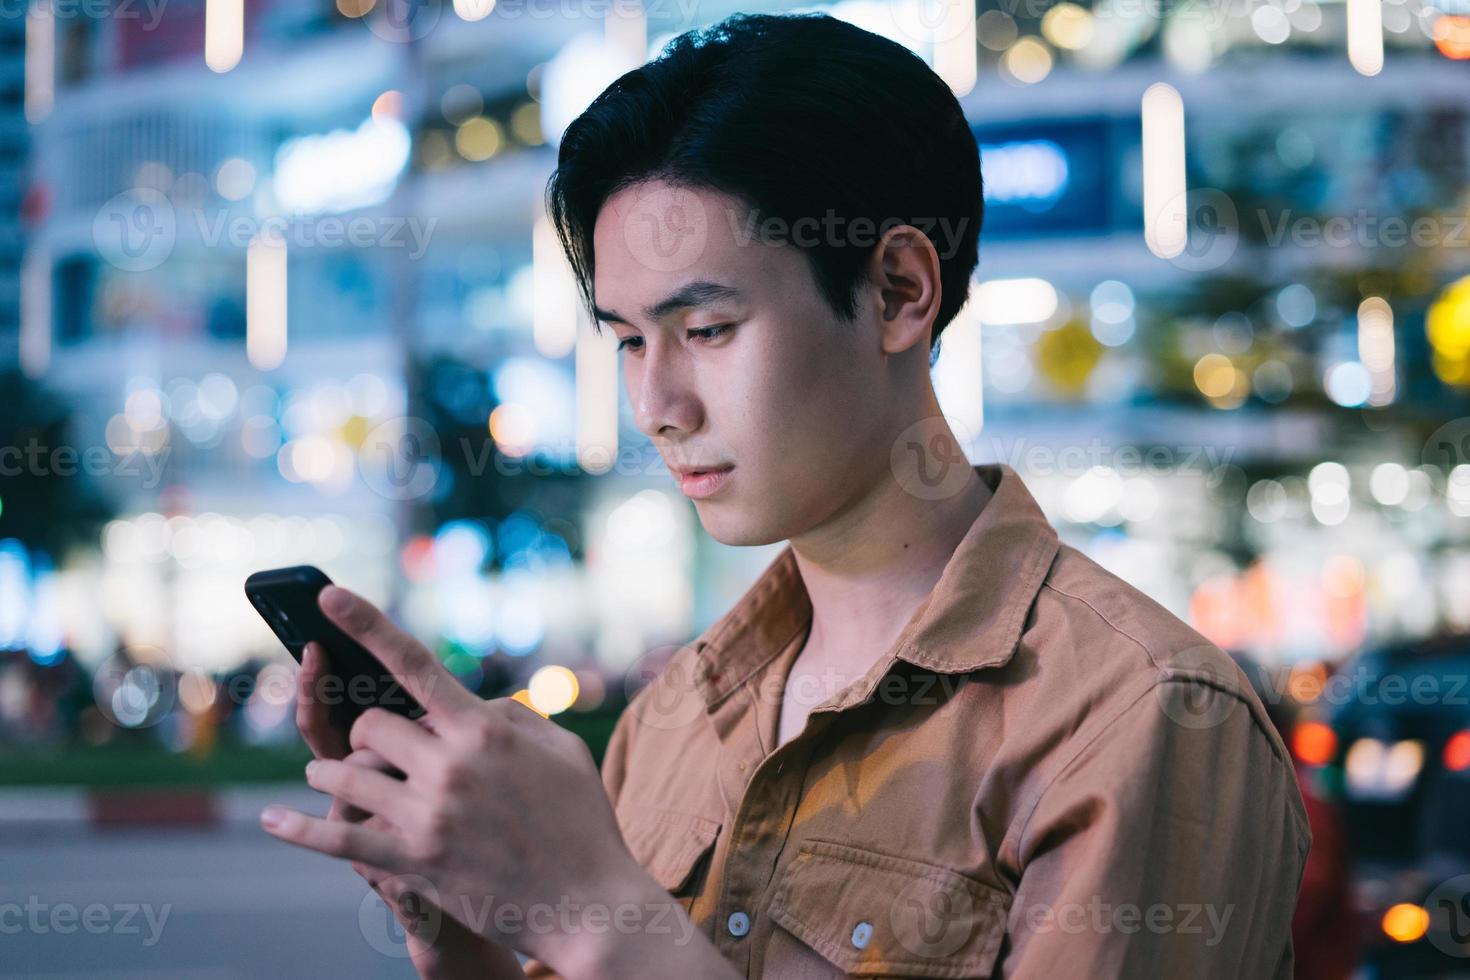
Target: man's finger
pixel 373 760
pixel 362 787
pixel 335 838
pixel 402 743
pixel 418 670
pixel 313 721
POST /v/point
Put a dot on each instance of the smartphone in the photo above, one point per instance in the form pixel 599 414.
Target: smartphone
pixel 286 599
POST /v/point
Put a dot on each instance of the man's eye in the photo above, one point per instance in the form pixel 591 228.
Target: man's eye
pixel 625 343
pixel 709 333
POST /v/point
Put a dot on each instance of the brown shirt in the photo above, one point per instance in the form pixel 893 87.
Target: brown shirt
pixel 1048 776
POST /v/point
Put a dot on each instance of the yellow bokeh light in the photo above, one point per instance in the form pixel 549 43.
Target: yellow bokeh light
pixel 1028 61
pixel 1214 376
pixel 1240 388
pixel 478 139
pixel 552 689
pixel 1405 923
pixel 1448 327
pixel 354 8
pixel 354 431
pixel 1068 26
pixel 1067 356
pixel 525 123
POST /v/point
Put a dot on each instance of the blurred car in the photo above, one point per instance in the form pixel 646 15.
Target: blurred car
pixel 1400 766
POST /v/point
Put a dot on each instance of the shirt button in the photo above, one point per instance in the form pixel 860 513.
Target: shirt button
pixel 861 934
pixel 738 923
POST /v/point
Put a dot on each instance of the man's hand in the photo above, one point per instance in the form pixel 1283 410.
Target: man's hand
pixel 501 811
pixel 438 944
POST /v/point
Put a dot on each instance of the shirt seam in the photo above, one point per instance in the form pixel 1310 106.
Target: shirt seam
pixel 1170 673
pixel 1303 833
pixel 1106 619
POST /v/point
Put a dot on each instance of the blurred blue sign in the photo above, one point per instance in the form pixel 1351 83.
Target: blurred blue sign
pixel 1056 177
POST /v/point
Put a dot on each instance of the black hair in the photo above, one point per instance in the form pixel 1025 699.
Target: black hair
pixel 795 116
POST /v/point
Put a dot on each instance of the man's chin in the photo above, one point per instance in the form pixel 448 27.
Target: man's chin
pixel 735 527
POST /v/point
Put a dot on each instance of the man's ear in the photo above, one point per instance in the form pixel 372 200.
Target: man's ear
pixel 905 268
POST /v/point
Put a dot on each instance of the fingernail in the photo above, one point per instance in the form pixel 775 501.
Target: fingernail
pixel 310 768
pixel 335 600
pixel 273 817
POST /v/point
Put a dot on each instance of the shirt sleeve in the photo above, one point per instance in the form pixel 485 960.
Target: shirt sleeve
pixel 614 771
pixel 1163 849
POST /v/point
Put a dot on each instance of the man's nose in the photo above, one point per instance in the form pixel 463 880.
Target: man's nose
pixel 664 400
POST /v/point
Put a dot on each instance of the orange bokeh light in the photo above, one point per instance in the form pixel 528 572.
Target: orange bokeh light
pixel 1457 752
pixel 1452 36
pixel 1314 743
pixel 1405 923
pixel 1306 682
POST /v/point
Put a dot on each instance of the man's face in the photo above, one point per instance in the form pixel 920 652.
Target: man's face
pixel 787 397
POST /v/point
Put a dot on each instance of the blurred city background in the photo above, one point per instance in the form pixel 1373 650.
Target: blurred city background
pixel 277 287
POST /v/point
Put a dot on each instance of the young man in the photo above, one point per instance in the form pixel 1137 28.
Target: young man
pixel 930 740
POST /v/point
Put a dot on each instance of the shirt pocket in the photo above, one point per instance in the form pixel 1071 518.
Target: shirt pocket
pixel 669 845
pixel 872 914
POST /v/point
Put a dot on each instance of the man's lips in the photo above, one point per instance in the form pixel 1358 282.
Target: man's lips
pixel 699 483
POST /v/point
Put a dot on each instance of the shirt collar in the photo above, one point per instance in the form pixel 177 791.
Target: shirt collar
pixel 971 619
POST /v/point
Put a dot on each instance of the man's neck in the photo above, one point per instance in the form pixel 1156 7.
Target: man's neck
pixel 872 564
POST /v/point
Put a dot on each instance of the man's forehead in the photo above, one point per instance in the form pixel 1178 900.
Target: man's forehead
pixel 666 226
pixel 653 239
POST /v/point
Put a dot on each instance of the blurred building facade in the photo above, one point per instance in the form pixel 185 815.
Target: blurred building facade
pixel 258 269
pixel 285 289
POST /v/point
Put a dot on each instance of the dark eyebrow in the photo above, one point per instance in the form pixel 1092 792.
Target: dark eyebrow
pixel 695 293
